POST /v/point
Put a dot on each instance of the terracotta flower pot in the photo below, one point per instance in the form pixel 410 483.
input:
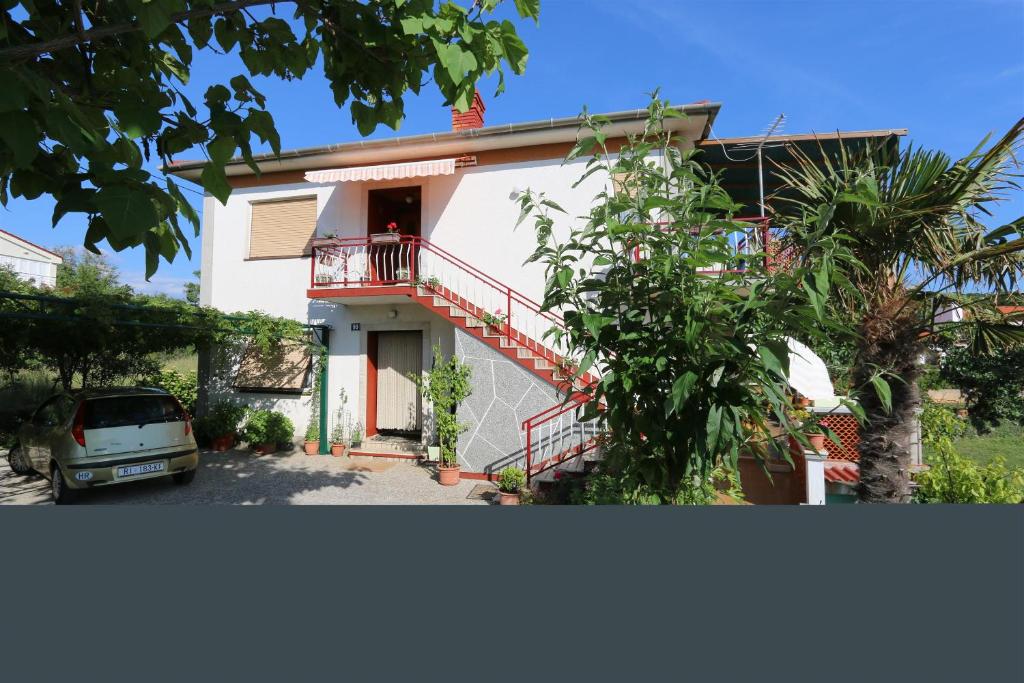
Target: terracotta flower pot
pixel 266 448
pixel 337 449
pixel 817 441
pixel 223 443
pixel 448 476
pixel 508 498
pixel 311 447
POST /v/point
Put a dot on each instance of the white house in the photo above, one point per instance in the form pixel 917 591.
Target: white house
pixel 309 239
pixel 29 261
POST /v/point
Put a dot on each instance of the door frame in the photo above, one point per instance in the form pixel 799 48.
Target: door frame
pixel 368 366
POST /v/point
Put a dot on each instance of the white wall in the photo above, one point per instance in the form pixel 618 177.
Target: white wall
pixel 469 214
pixel 28 263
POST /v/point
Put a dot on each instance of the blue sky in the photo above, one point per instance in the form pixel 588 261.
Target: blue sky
pixel 950 72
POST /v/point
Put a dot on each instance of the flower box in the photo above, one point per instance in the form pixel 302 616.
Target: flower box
pixel 385 238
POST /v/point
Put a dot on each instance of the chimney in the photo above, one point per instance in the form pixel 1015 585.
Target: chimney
pixel 473 118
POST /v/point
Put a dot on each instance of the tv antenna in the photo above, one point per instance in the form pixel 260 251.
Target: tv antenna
pixel 774 128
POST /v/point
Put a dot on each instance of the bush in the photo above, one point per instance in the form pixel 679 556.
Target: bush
pixel 511 480
pixel 268 426
pixel 183 386
pixel 222 420
pixel 952 478
pixel 992 386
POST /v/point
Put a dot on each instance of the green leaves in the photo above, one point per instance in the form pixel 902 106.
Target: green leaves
pixel 883 390
pixel 125 211
pixel 104 118
pixel 775 356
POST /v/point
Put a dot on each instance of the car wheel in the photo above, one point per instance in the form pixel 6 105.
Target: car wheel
pixel 17 460
pixel 62 495
pixel 183 478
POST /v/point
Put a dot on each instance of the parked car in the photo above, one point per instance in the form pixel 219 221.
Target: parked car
pixel 91 438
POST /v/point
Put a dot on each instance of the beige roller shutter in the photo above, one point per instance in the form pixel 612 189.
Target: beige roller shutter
pixel 398 401
pixel 282 228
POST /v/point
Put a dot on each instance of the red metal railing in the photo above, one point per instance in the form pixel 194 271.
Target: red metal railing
pixel 363 262
pixel 557 435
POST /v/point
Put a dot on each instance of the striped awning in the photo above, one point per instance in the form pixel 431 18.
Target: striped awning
pixel 412 169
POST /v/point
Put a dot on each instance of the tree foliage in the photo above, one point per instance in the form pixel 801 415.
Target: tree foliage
pixel 913 221
pixel 91 330
pixel 689 338
pixel 952 478
pixel 992 384
pixel 91 90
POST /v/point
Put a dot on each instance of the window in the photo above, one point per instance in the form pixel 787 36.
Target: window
pixel 124 411
pixel 284 370
pixel 282 228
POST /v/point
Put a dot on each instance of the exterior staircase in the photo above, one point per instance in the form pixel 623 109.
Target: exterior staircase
pixel 490 311
pixel 494 313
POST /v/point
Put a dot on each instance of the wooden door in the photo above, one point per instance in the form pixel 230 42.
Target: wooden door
pixel 399 355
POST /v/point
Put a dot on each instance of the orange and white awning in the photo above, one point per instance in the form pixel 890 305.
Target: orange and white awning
pixel 412 169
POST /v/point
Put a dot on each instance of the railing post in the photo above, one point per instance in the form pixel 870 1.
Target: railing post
pixel 412 260
pixel 529 446
pixel 508 313
pixel 312 267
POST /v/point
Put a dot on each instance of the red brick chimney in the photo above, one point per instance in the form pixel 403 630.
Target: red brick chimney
pixel 472 118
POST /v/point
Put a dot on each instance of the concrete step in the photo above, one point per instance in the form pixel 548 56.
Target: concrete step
pixel 390 445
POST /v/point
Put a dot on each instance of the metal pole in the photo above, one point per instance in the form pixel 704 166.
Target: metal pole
pixel 325 340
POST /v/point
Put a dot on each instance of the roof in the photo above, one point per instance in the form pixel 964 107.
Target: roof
pixel 842 472
pixel 700 116
pixel 32 245
pixel 736 158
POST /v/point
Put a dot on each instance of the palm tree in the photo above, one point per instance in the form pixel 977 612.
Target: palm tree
pixel 913 220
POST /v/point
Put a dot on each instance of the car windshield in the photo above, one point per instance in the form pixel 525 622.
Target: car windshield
pixel 123 411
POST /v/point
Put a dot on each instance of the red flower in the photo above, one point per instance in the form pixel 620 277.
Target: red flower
pixel 392 226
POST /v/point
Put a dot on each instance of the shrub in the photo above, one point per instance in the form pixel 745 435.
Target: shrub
pixel 992 385
pixel 222 420
pixel 268 426
pixel 183 386
pixel 511 480
pixel 952 478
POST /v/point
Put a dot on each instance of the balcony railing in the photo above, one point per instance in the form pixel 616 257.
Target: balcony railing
pixel 360 262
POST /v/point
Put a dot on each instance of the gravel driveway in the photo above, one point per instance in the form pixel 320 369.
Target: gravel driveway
pixel 243 478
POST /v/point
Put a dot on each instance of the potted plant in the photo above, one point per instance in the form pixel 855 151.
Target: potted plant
pixel 265 430
pixel 312 443
pixel 810 427
pixel 221 424
pixel 391 236
pixel 357 435
pixel 338 440
pixel 510 483
pixel 445 387
pixel 494 320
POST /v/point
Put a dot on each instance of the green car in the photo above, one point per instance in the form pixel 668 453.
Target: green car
pixel 94 438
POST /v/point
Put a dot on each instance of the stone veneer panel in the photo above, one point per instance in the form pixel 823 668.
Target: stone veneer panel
pixel 504 394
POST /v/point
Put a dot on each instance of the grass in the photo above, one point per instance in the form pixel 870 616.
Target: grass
pixel 183 362
pixel 1005 441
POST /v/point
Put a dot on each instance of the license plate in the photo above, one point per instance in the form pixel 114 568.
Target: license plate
pixel 135 470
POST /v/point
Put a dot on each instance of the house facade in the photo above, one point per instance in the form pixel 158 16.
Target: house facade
pixel 29 261
pixel 391 247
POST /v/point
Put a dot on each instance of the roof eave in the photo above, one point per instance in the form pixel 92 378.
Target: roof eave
pixel 491 137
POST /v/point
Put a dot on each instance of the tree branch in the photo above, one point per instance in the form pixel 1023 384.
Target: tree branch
pixel 35 49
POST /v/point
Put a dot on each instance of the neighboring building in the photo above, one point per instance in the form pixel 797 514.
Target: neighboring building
pixel 30 262
pixel 302 240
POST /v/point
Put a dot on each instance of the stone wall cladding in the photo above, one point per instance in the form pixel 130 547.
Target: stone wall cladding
pixel 504 394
